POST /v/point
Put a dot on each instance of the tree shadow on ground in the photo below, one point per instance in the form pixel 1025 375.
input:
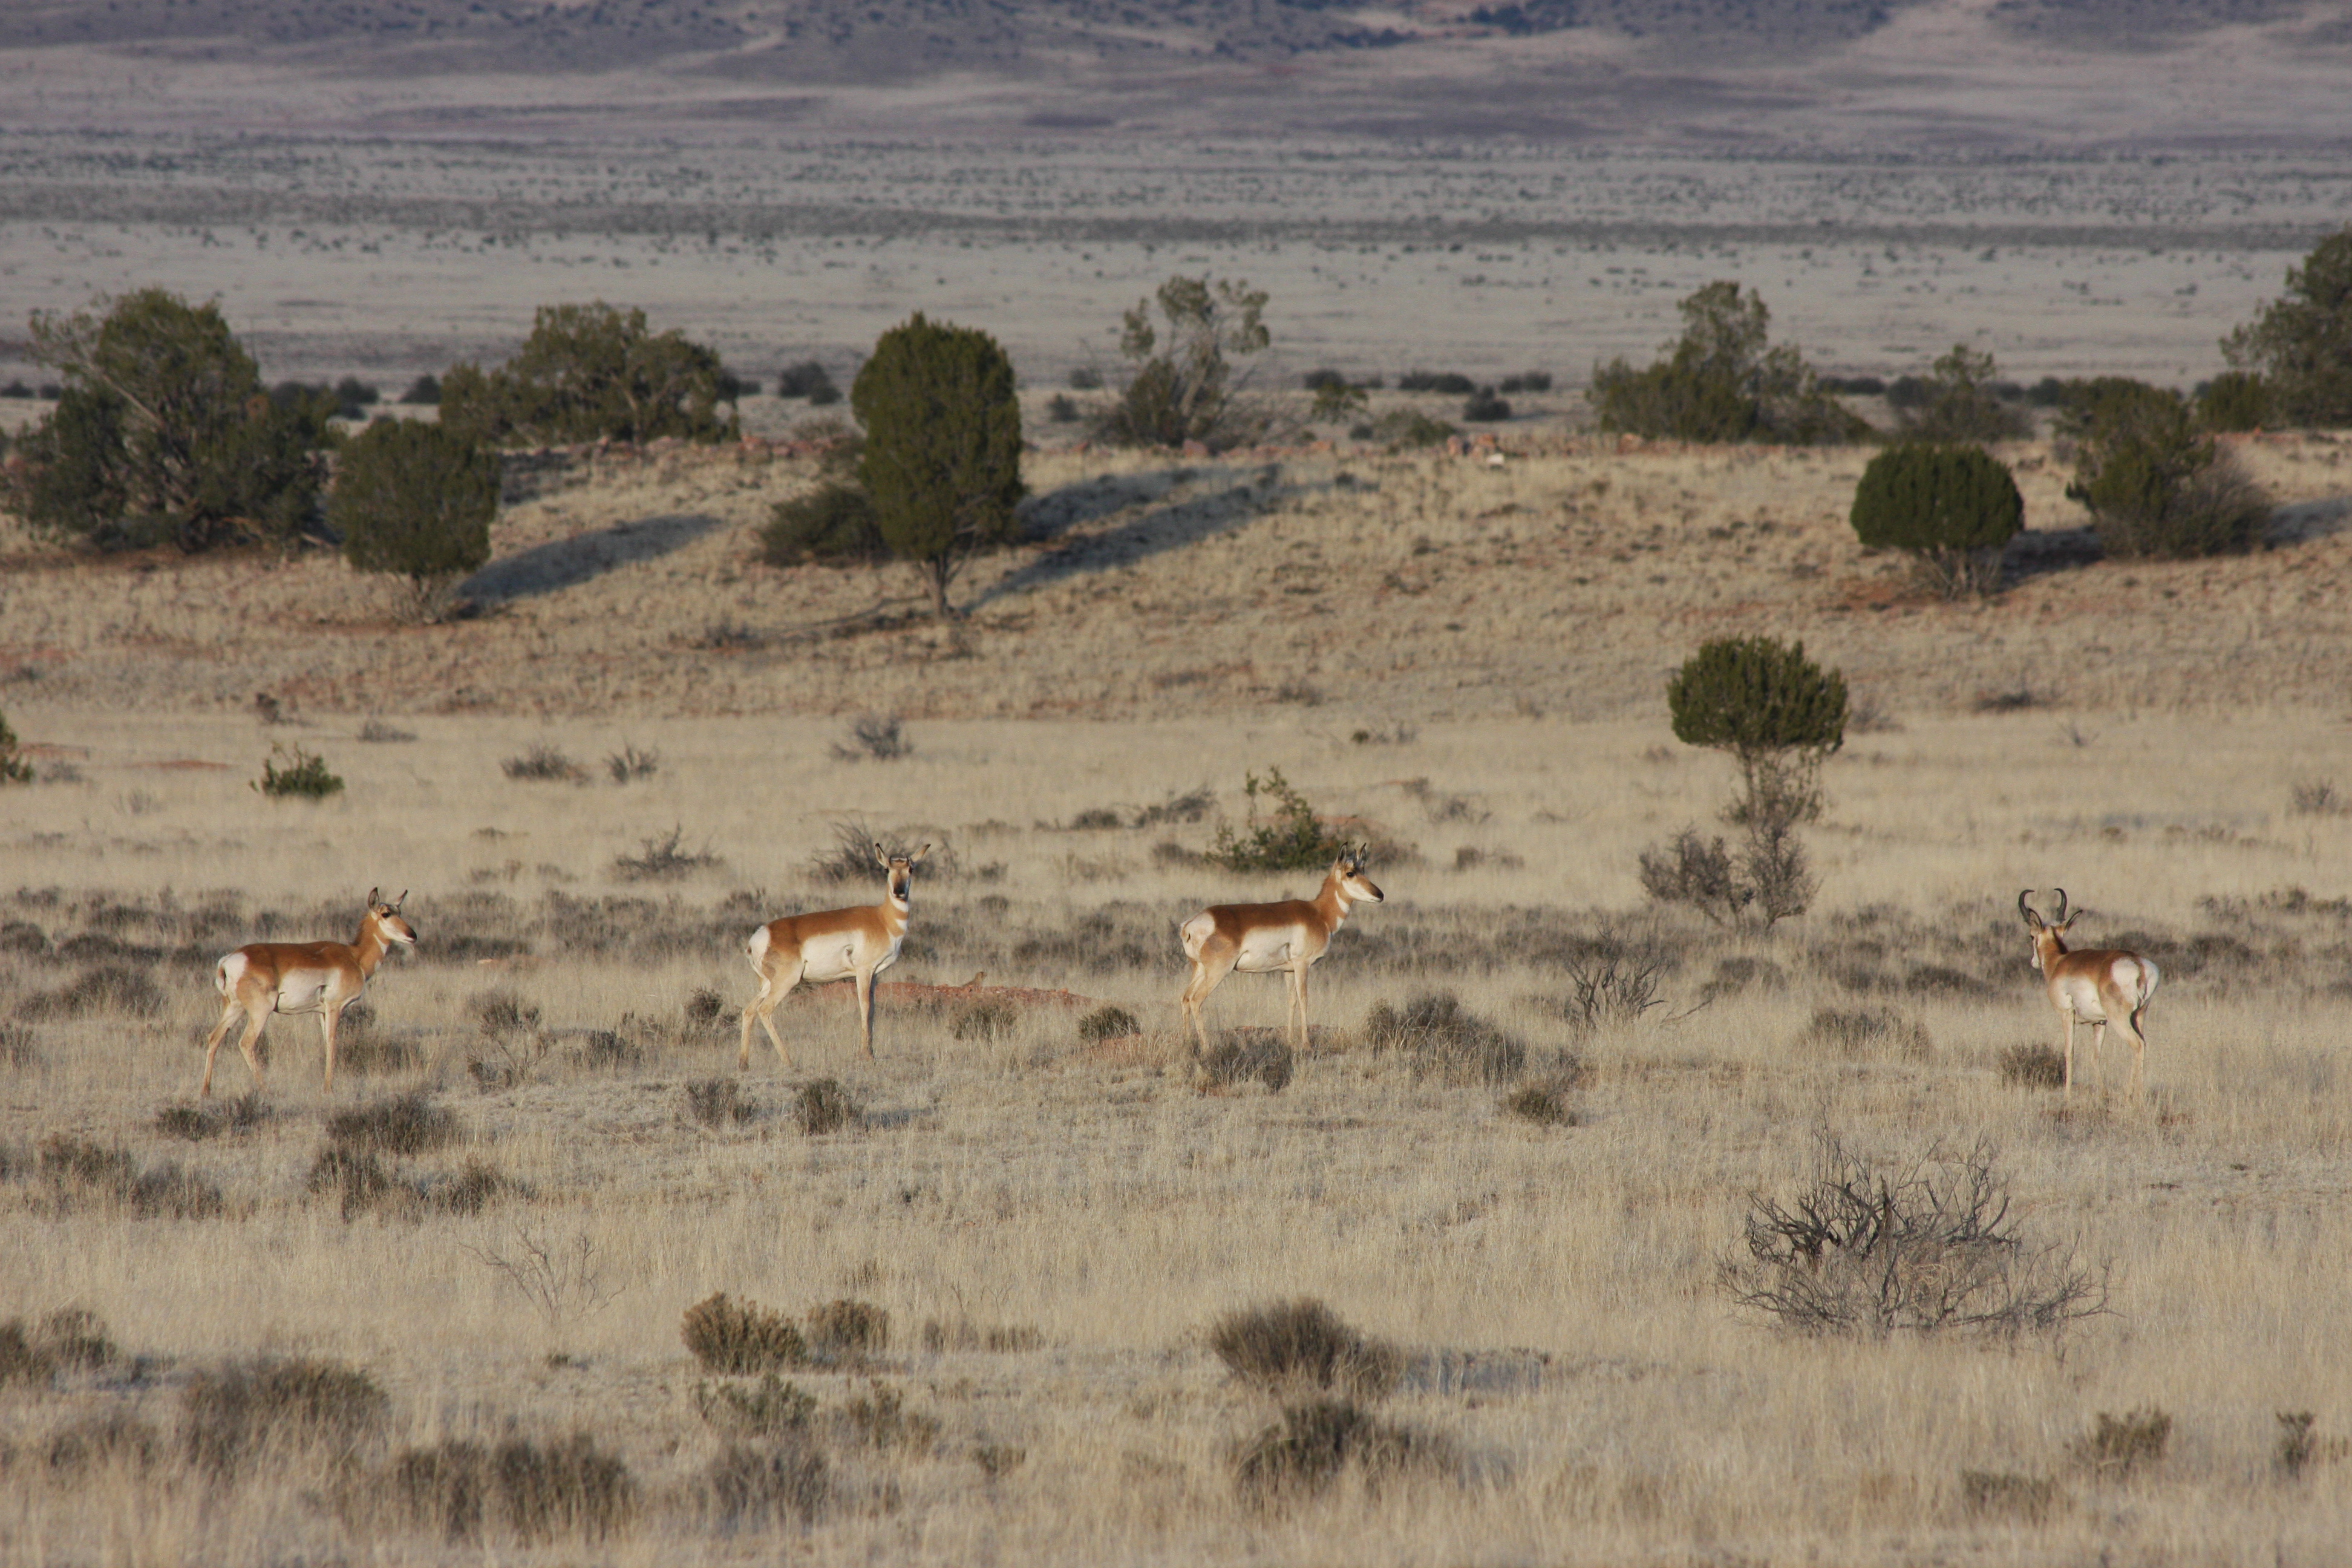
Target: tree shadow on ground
pixel 2038 551
pixel 563 563
pixel 1223 499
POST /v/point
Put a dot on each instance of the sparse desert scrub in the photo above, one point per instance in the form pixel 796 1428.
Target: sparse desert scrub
pixel 1072 1220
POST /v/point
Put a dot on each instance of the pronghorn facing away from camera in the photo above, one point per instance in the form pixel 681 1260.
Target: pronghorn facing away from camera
pixel 2107 986
pixel 321 977
pixel 832 944
pixel 1258 938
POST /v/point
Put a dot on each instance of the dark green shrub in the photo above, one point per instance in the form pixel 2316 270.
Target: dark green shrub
pixel 834 524
pixel 2155 484
pixel 303 775
pixel 1448 383
pixel 14 768
pixel 590 373
pixel 942 457
pixel 425 392
pixel 1291 839
pixel 2235 400
pixel 1187 389
pixel 1959 402
pixel 415 500
pixel 1404 429
pixel 1721 382
pixel 1527 381
pixel 2301 344
pixel 741 1341
pixel 1062 409
pixel 163 435
pixel 1484 407
pixel 807 379
pixel 1952 509
pixel 1759 699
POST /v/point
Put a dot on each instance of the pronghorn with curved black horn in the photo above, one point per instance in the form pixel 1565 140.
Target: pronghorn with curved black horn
pixel 831 944
pixel 1259 939
pixel 2109 985
pixel 321 977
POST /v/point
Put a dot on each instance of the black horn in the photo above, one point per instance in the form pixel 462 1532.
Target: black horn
pixel 2062 906
pixel 2033 921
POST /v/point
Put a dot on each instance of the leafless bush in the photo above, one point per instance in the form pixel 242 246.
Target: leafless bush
pixel 1867 1032
pixel 824 1106
pixel 1314 1445
pixel 1437 1035
pixel 773 1409
pixel 1610 992
pixel 851 858
pixel 629 764
pixel 742 1340
pixel 847 1331
pixel 2033 1067
pixel 2117 1445
pixel 563 1282
pixel 661 860
pixel 718 1101
pixel 750 1488
pixel 1872 1248
pixel 1285 1348
pixel 245 1412
pixel 1246 1054
pixel 875 739
pixel 544 763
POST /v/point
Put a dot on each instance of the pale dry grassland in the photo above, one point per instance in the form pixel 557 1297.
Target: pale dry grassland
pixel 1553 1288
pixel 1373 589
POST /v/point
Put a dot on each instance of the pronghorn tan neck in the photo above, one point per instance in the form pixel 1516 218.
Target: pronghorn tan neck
pixel 379 929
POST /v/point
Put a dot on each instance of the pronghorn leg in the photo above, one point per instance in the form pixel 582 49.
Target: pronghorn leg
pixel 2070 1051
pixel 1215 961
pixel 1298 1003
pixel 862 983
pixel 2139 1052
pixel 231 1009
pixel 257 1014
pixel 764 1007
pixel 2099 1055
pixel 328 1015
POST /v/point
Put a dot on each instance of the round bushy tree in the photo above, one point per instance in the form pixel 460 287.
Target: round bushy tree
pixel 942 458
pixel 416 500
pixel 2156 485
pixel 1952 509
pixel 2302 344
pixel 591 373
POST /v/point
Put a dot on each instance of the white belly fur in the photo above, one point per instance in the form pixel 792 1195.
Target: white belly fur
pixel 1265 950
pixel 2083 999
pixel 301 993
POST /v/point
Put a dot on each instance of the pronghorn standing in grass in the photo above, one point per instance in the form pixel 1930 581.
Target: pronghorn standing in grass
pixel 2106 987
pixel 1258 938
pixel 832 944
pixel 321 977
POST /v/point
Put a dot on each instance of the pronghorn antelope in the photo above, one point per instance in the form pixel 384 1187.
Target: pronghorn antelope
pixel 1258 938
pixel 321 977
pixel 832 944
pixel 2108 987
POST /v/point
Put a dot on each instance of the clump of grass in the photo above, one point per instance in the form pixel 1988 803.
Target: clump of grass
pixel 879 1418
pixel 113 1439
pixel 2320 797
pixel 476 1184
pixel 628 765
pixel 998 1460
pixel 742 1340
pixel 1191 806
pixel 1441 1036
pixel 705 1007
pixel 303 776
pixel 398 1124
pixel 1283 1347
pixel 1315 1444
pixel 81 1174
pixel 1545 1104
pixel 962 1334
pixel 500 1012
pixel 544 763
pixel 359 1181
pixel 715 1102
pixel 97 992
pixel 1876 1247
pixel 1107 1023
pixel 610 1050
pixel 2033 1066
pixel 2300 1447
pixel 375 732
pixel 198 1122
pixel 874 738
pixel 2008 1494
pixel 1872 1032
pixel 749 1487
pixel 538 1490
pixel 246 1411
pixel 660 859
pixel 1246 1054
pixel 69 1340
pixel 18 1052
pixel 824 1106
pixel 985 1020
pixel 848 1331
pixel 772 1409
pixel 2117 1445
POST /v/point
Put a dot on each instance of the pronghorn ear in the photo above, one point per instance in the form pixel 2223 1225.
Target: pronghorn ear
pixel 916 857
pixel 881 854
pixel 371 895
pixel 400 902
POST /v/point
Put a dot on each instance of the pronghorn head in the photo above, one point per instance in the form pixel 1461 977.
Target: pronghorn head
pixel 2053 931
pixel 1348 870
pixel 901 869
pixel 386 920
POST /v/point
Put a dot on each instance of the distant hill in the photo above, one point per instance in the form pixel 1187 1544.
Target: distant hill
pixel 1550 69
